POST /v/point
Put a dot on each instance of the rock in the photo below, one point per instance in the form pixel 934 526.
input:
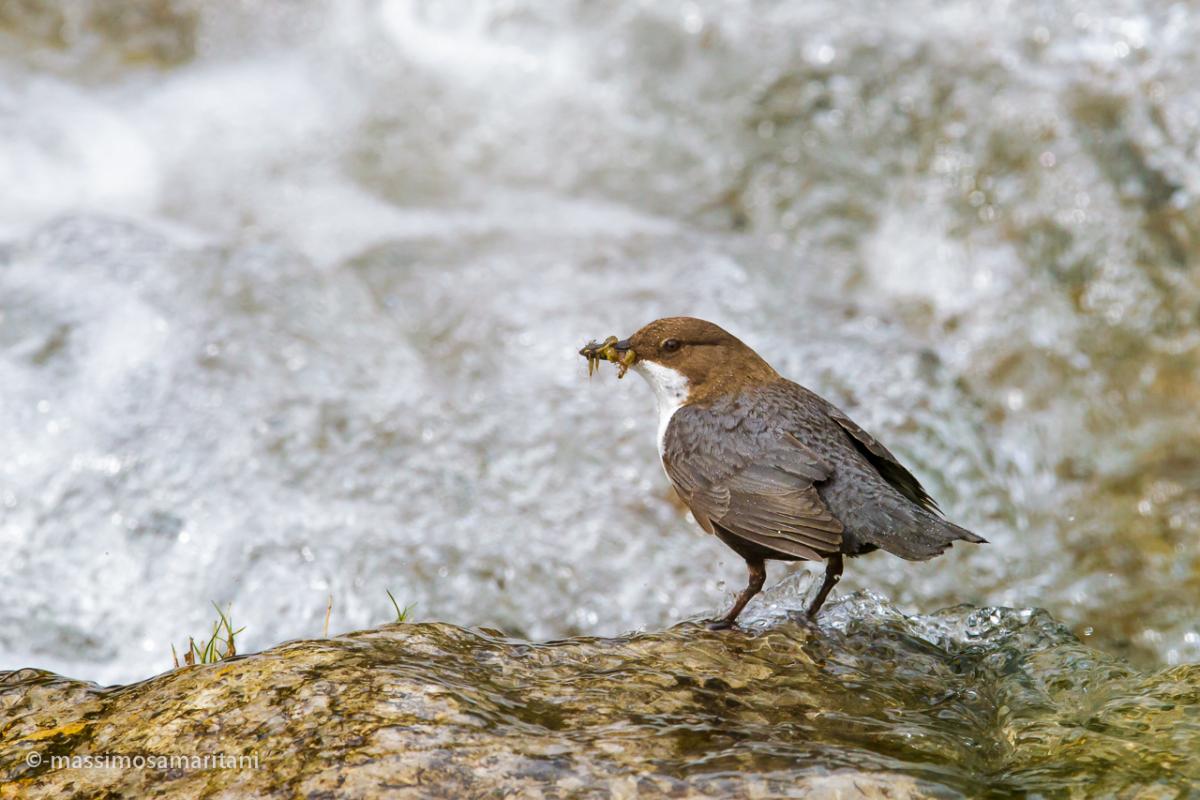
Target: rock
pixel 870 703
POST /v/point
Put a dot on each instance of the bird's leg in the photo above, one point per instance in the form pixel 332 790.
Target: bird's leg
pixel 833 574
pixel 758 575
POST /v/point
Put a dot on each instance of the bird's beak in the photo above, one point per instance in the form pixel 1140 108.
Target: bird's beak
pixel 620 352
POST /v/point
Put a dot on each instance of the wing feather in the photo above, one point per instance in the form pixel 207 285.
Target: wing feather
pixel 888 466
pixel 762 491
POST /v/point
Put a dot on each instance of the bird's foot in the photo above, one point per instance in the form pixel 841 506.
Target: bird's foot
pixel 804 619
pixel 719 624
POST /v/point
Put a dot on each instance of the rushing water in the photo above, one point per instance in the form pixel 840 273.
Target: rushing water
pixel 290 297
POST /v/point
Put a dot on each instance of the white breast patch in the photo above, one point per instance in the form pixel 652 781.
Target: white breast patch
pixel 670 390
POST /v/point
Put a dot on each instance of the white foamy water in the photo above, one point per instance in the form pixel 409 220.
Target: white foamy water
pixel 290 302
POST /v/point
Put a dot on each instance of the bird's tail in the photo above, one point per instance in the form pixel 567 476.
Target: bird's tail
pixel 931 536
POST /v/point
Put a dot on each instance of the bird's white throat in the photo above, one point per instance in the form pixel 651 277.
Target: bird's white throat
pixel 670 390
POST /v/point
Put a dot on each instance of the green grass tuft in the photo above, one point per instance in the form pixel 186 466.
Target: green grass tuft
pixel 401 614
pixel 220 645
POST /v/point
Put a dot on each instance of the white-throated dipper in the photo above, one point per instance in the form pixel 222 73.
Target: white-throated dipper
pixel 774 470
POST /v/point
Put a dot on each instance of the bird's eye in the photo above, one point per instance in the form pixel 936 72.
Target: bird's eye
pixel 670 345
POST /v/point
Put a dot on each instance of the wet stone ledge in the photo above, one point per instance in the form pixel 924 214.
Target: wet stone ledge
pixel 966 701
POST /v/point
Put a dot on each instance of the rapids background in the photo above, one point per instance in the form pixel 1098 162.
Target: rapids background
pixel 290 299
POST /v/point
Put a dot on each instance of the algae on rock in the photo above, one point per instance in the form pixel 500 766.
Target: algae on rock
pixel 962 702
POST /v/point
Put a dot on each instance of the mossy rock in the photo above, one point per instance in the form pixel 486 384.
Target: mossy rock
pixel 870 703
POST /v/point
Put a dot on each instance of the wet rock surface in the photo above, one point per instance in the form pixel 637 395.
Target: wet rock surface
pixel 290 300
pixel 962 702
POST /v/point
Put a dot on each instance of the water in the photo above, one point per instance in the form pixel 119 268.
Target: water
pixel 290 301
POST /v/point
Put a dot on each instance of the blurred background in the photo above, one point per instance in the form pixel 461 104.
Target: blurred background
pixel 291 293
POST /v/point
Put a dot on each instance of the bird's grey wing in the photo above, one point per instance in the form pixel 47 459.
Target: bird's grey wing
pixel 888 466
pixel 760 489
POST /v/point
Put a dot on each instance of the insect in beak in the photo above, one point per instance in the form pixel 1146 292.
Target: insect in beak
pixel 611 349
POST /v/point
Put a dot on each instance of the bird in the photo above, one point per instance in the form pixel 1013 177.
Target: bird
pixel 775 471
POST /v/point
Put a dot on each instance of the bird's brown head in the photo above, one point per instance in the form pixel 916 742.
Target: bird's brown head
pixel 688 358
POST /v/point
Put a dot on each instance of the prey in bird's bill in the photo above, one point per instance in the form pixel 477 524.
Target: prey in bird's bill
pixel 775 471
